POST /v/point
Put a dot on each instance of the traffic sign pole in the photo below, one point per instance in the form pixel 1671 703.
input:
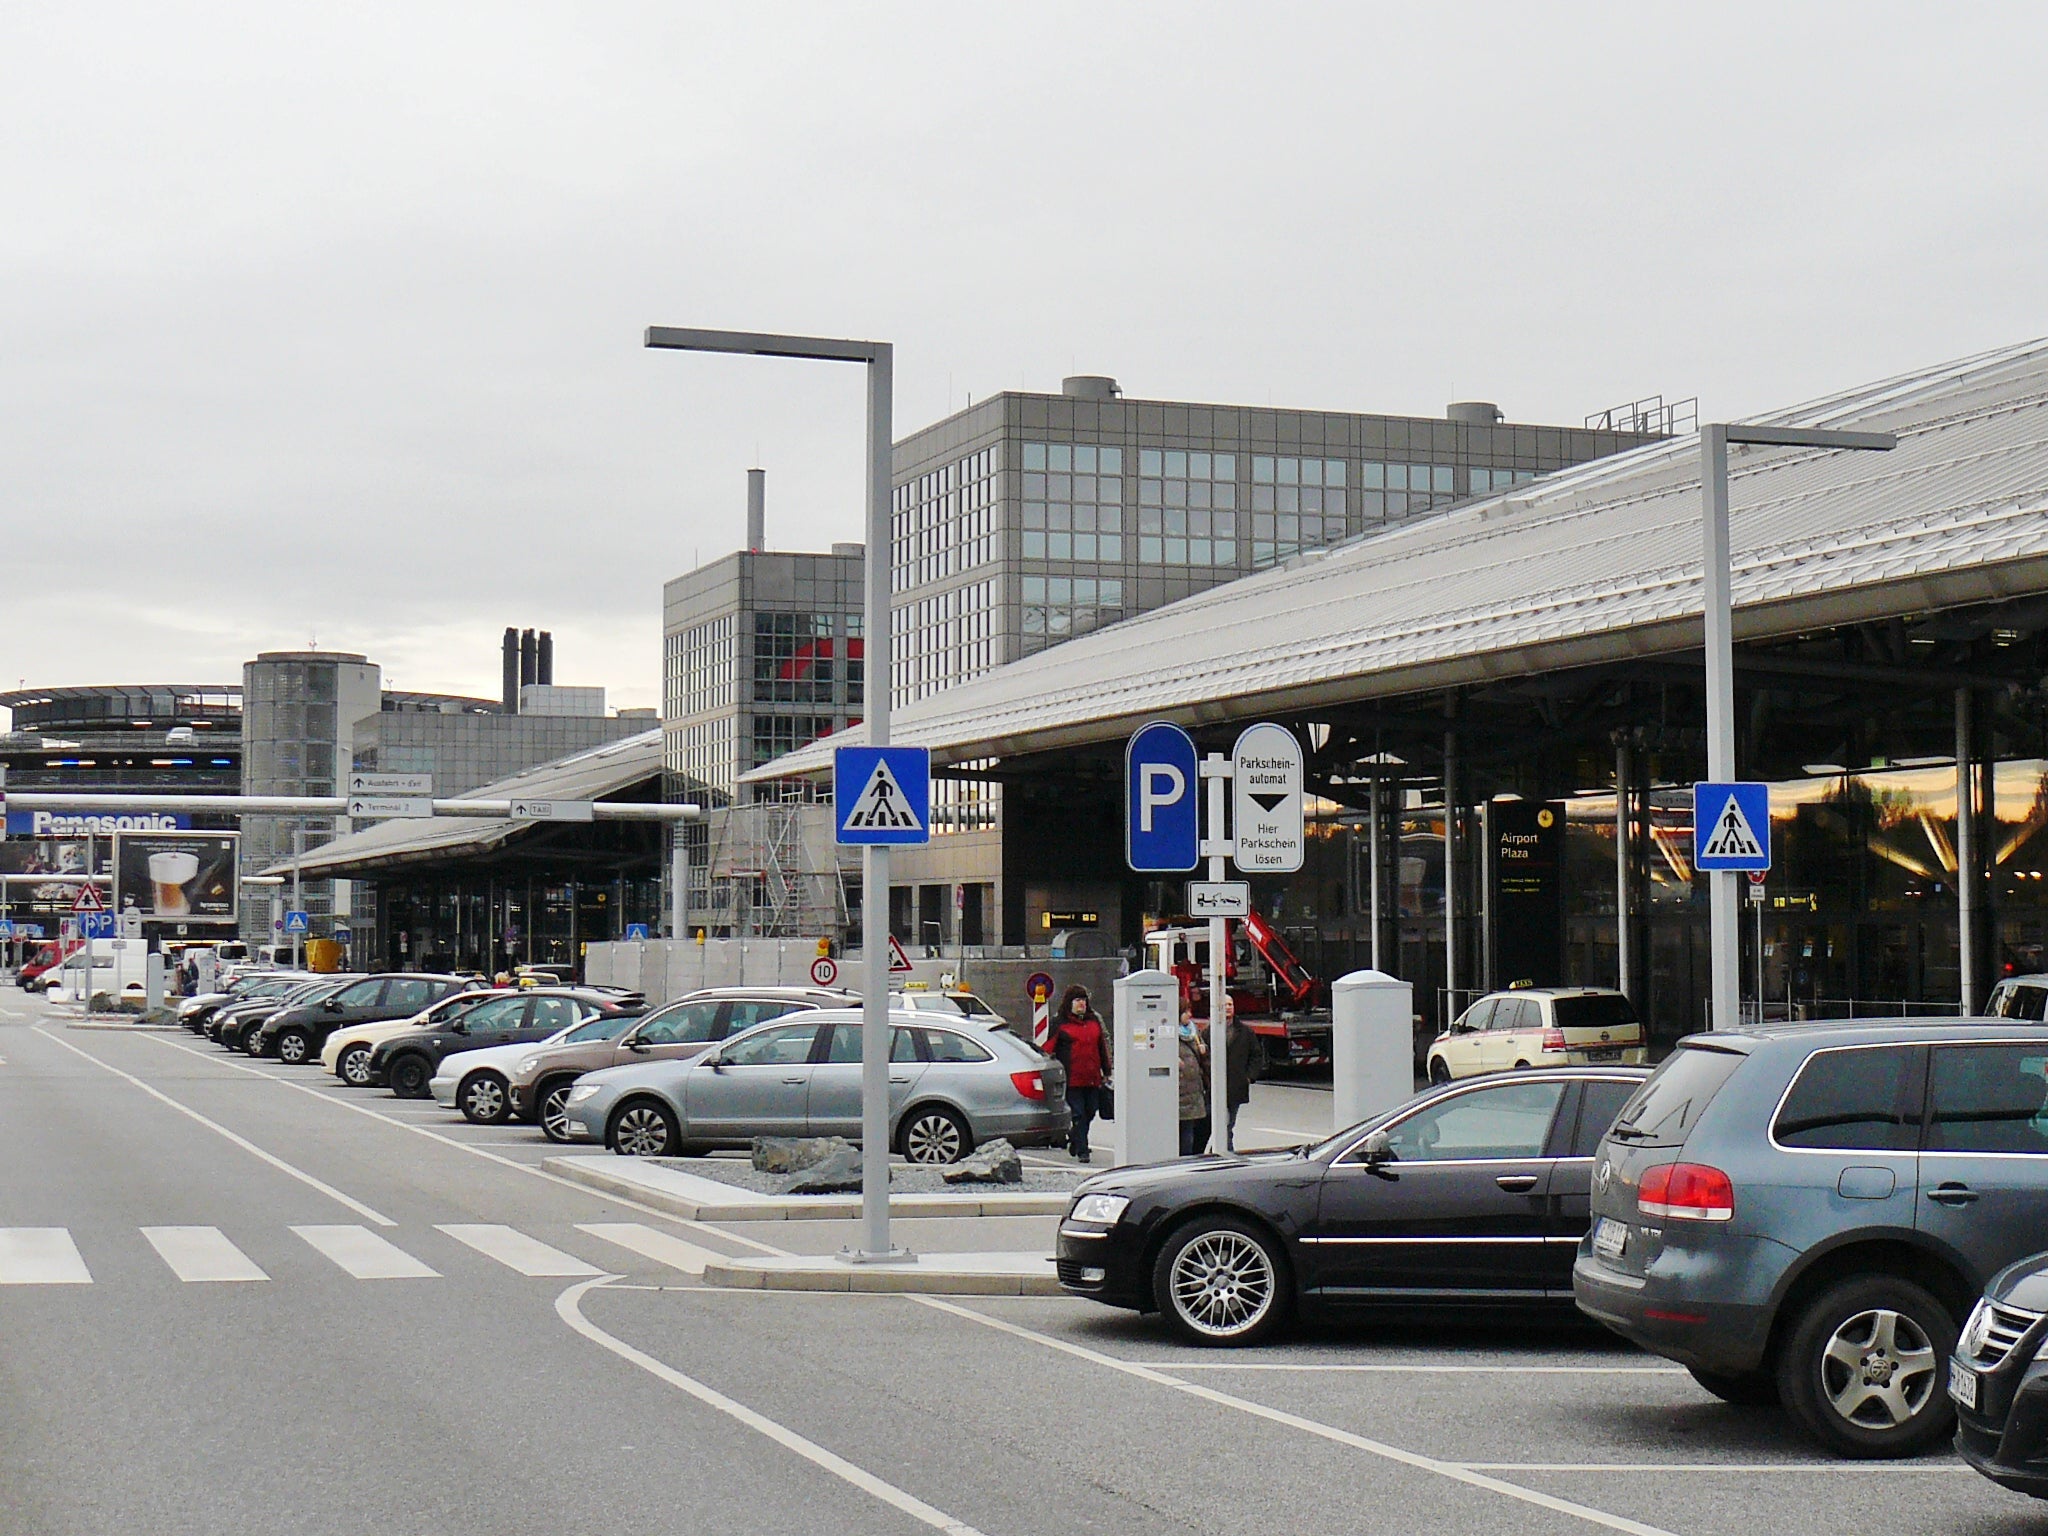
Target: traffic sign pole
pixel 1216 769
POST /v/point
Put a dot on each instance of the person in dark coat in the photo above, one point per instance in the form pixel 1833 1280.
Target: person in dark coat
pixel 1080 1042
pixel 1194 1090
pixel 1240 1046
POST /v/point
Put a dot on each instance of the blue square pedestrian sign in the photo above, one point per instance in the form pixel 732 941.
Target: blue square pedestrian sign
pixel 882 795
pixel 1731 826
pixel 297 922
pixel 636 930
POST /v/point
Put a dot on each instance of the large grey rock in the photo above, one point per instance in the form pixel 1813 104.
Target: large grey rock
pixel 995 1162
pixel 793 1154
pixel 833 1174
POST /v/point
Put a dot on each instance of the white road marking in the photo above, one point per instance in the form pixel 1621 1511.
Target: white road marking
pixel 365 1255
pixel 243 1142
pixel 1419 1370
pixel 650 1244
pixel 1453 1471
pixel 469 1147
pixel 515 1250
pixel 1741 1468
pixel 41 1256
pixel 202 1253
pixel 569 1305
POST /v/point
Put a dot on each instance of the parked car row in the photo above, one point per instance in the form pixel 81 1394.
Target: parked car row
pixel 593 1065
pixel 1842 1218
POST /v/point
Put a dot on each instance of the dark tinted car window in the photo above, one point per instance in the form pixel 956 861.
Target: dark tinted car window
pixel 846 1044
pixel 1851 1099
pixel 1591 1012
pixel 1602 1102
pixel 362 995
pixel 1988 1098
pixel 1509 1121
pixel 411 993
pixel 789 1045
pixel 1477 1015
pixel 946 1045
pixel 554 1013
pixel 1677 1094
pixel 748 1012
pixel 684 1024
pixel 499 1013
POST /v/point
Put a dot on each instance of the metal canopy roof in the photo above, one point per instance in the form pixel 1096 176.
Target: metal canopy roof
pixel 594 775
pixel 1594 564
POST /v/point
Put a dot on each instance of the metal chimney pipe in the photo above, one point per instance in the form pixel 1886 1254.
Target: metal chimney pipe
pixel 529 658
pixel 511 671
pixel 546 658
pixel 757 509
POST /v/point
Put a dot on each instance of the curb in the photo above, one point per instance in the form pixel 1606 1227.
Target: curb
pixel 798 1207
pixel 876 1280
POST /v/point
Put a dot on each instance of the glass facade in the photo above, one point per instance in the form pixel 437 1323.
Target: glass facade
pixel 1073 502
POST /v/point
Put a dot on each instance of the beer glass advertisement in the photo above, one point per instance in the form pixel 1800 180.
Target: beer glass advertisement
pixel 176 877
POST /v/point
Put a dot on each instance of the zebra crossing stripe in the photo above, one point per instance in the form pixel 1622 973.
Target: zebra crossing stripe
pixel 41 1256
pixel 650 1244
pixel 515 1250
pixel 365 1255
pixel 201 1254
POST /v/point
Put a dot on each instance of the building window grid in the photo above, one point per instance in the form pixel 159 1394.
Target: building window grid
pixel 777 735
pixel 1057 608
pixel 1390 492
pixel 794 656
pixel 1073 502
pixel 698 668
pixel 1297 504
pixel 943 522
pixel 942 640
pixel 1187 507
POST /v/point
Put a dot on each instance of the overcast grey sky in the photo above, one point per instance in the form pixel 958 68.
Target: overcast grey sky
pixel 323 323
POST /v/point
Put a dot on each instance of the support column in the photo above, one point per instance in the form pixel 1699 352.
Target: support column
pixel 1373 832
pixel 1966 854
pixel 1451 855
pixel 1624 896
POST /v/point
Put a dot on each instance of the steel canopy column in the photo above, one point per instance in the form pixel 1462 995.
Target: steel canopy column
pixel 1451 852
pixel 1623 902
pixel 1372 853
pixel 1966 855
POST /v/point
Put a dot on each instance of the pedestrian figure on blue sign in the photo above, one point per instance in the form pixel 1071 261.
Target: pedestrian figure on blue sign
pixel 1080 1043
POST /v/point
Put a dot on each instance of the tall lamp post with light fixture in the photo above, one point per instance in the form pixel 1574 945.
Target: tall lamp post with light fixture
pixel 879 358
pixel 1724 889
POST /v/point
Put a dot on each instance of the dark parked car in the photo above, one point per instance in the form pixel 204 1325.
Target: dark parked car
pixel 1471 1194
pixel 234 1025
pixel 1808 1213
pixel 406 1062
pixel 196 1012
pixel 296 1034
pixel 1999 1380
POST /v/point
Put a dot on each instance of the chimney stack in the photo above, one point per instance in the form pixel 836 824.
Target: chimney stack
pixel 529 658
pixel 545 660
pixel 511 672
pixel 757 510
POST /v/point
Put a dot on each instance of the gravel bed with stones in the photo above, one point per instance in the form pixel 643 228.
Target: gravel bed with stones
pixel 904 1178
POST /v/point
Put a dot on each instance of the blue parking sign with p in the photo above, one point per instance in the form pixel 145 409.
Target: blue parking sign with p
pixel 1162 790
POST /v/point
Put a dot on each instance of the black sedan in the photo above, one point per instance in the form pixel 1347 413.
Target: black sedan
pixel 407 1061
pixel 1999 1380
pixel 1474 1194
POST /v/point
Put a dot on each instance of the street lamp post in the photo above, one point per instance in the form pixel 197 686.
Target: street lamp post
pixel 879 356
pixel 1724 889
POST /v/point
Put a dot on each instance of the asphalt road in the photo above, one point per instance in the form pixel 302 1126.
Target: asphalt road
pixel 429 1334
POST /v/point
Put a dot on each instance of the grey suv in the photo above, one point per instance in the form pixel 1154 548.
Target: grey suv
pixel 1808 1213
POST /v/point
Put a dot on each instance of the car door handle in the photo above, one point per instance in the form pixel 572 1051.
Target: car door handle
pixel 1952 1194
pixel 899 1080
pixel 1517 1183
pixel 793 1079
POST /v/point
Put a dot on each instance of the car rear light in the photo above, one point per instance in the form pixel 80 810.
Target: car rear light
pixel 1687 1192
pixel 1553 1039
pixel 1031 1085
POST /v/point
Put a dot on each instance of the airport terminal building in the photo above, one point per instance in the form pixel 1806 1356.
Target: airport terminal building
pixel 1527 663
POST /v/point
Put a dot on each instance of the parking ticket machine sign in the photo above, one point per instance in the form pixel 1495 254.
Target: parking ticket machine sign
pixel 1161 801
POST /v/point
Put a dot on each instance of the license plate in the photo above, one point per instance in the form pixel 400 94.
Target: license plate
pixel 1610 1238
pixel 1604 1053
pixel 1962 1385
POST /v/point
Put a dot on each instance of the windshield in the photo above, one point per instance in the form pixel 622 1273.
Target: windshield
pixel 1596 1012
pixel 1670 1104
pixel 606 1026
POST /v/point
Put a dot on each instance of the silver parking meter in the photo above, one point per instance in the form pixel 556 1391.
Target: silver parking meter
pixel 1147 1067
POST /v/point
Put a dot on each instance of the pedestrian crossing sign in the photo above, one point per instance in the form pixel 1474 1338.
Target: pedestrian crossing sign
pixel 882 795
pixel 1731 826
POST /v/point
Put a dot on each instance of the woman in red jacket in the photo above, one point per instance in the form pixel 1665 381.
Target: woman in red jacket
pixel 1080 1042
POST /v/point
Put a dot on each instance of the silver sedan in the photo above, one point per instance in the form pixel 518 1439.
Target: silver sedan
pixel 949 1090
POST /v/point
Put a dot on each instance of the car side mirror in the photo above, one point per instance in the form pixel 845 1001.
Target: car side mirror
pixel 715 1062
pixel 1377 1148
pixel 332 1005
pixel 636 1045
pixel 457 1027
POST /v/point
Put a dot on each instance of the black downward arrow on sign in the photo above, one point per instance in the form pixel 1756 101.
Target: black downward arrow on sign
pixel 1269 802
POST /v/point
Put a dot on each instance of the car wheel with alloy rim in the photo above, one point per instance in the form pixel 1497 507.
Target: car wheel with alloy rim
pixel 934 1134
pixel 551 1108
pixel 354 1066
pixel 1222 1281
pixel 294 1046
pixel 643 1128
pixel 482 1099
pixel 1864 1369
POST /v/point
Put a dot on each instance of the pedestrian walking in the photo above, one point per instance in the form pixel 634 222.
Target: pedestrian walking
pixel 1080 1043
pixel 1238 1045
pixel 1194 1094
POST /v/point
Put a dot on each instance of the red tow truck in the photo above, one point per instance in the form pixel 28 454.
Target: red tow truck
pixel 47 956
pixel 1278 998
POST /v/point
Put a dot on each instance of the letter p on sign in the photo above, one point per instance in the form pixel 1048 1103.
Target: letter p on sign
pixel 1161 814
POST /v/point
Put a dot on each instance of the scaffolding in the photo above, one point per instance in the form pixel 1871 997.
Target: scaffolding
pixel 775 872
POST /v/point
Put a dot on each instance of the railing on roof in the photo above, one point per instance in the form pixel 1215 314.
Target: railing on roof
pixel 1653 415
